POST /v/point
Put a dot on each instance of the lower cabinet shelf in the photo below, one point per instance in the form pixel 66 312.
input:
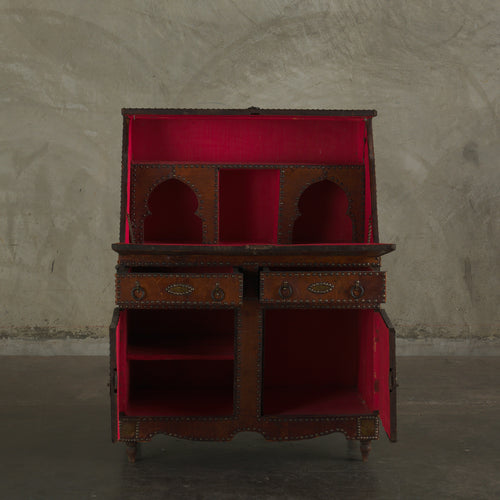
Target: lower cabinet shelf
pixel 182 402
pixel 180 388
pixel 313 401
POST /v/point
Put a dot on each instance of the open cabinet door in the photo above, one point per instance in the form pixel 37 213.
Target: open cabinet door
pixel 385 367
pixel 118 368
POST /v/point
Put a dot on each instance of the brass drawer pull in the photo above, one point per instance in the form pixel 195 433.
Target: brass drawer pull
pixel 218 293
pixel 138 293
pixel 285 290
pixel 357 290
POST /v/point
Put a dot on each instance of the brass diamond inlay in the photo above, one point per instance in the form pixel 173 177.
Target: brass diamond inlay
pixel 321 287
pixel 180 289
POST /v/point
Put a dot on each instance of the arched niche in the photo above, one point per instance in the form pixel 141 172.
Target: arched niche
pixel 324 218
pixel 172 206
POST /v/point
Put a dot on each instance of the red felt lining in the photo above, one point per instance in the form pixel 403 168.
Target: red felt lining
pixel 248 139
pixel 381 368
pixel 176 362
pixel 313 362
pixel 324 215
pixel 173 220
pixel 366 375
pixel 181 387
pixel 249 205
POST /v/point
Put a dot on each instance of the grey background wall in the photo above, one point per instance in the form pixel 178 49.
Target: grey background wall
pixel 430 68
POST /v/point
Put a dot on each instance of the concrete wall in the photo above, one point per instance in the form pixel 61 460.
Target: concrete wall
pixel 430 68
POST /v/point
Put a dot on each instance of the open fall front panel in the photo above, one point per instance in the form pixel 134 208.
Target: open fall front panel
pixel 247 180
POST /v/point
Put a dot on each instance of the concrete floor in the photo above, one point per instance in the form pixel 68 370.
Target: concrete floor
pixel 54 416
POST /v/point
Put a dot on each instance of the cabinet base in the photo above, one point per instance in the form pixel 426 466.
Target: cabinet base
pixel 363 428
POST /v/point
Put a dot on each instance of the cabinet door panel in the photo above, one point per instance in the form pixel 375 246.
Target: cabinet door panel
pixel 118 384
pixel 385 367
pixel 113 373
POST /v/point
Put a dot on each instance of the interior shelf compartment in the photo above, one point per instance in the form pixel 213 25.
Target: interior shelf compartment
pixel 249 205
pixel 324 215
pixel 181 334
pixel 318 362
pixel 180 388
pixel 172 215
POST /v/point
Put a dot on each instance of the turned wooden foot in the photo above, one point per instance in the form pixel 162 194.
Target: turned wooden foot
pixel 365 447
pixel 131 452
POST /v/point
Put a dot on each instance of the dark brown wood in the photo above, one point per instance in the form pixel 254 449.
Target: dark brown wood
pixel 356 289
pixel 373 184
pixel 158 290
pixel 299 261
pixel 113 374
pixel 355 250
pixel 145 177
pixel 132 451
pixel 249 111
pixel 272 428
pixel 393 385
pixel 365 447
pixel 124 176
pixel 296 180
pixel 248 385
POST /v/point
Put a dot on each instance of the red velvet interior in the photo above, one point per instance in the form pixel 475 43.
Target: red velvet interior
pixel 248 139
pixel 180 362
pixel 366 372
pixel 248 205
pixel 121 362
pixel 181 387
pixel 249 200
pixel 368 235
pixel 323 207
pixel 382 366
pixel 172 205
pixel 312 362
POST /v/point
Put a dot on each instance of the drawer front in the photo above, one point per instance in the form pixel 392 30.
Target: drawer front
pixel 344 289
pixel 158 290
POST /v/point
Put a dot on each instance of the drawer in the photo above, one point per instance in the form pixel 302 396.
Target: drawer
pixel 344 289
pixel 158 290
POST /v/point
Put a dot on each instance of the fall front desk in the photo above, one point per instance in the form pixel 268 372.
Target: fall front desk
pixel 248 284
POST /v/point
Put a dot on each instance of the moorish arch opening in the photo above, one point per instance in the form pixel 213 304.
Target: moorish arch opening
pixel 173 220
pixel 324 218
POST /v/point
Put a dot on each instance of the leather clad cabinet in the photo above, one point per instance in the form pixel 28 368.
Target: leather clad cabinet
pixel 248 283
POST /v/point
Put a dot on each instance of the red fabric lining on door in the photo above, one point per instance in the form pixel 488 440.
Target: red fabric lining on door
pixel 382 369
pixel 122 363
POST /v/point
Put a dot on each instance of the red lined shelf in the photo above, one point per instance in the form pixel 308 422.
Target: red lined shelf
pixel 185 401
pixel 179 347
pixel 313 400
